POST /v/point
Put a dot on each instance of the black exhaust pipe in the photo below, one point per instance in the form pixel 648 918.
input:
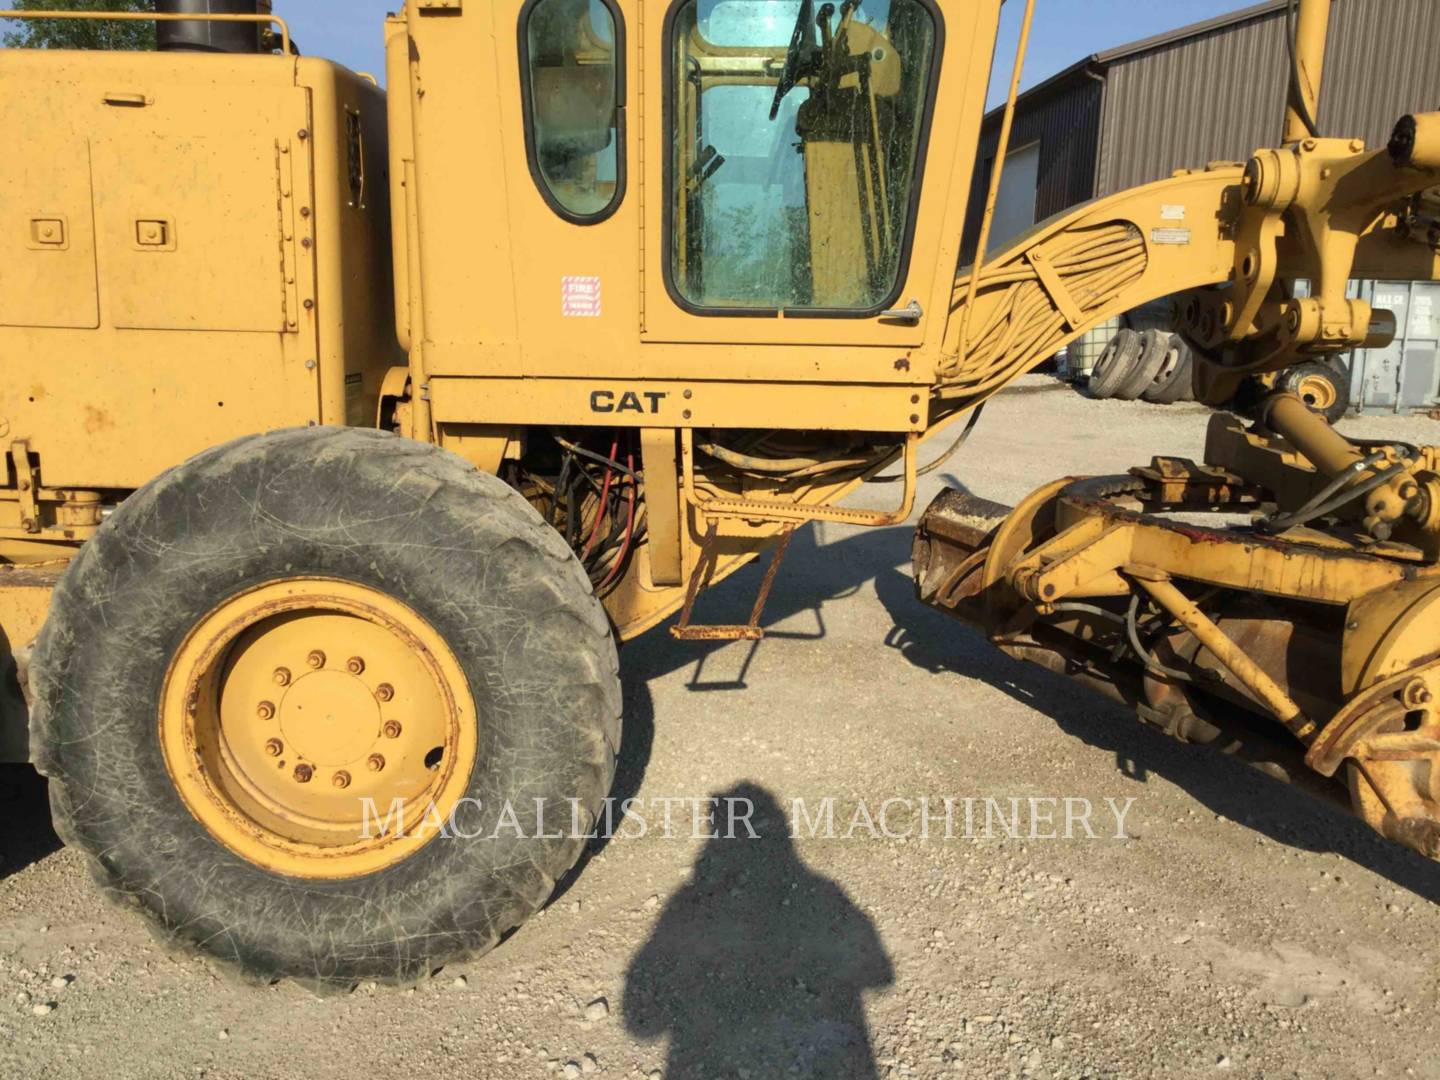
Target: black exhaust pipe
pixel 219 37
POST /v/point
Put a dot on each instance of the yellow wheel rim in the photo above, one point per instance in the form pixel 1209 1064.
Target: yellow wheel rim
pixel 1317 391
pixel 318 728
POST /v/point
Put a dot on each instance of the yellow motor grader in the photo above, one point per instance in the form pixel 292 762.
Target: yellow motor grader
pixel 346 432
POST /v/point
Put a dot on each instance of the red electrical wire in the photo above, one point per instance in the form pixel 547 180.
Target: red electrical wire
pixel 604 496
pixel 629 523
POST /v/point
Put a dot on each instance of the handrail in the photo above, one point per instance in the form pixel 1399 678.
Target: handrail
pixel 157 17
pixel 797 512
pixel 992 195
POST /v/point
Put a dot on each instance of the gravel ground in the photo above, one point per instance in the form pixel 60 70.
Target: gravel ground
pixel 1242 928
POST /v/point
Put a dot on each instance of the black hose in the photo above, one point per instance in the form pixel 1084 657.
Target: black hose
pixel 1088 609
pixel 553 517
pixel 1411 451
pixel 1338 483
pixel 599 459
pixel 1308 513
pixel 572 516
pixel 1133 633
pixel 946 456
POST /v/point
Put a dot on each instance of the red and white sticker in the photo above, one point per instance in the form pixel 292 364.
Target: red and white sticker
pixel 580 297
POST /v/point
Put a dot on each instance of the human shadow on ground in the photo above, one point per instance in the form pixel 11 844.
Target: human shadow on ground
pixel 26 835
pixel 943 645
pixel 758 966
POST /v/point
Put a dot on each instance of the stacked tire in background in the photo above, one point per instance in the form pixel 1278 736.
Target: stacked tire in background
pixel 1150 364
pixel 1158 366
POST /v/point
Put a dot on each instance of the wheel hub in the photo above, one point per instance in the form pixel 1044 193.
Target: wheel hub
pixel 1317 392
pixel 314 710
pixel 330 718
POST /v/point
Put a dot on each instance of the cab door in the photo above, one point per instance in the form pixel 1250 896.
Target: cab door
pixel 797 190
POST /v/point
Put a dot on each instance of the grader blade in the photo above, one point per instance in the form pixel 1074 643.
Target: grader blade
pixel 1288 587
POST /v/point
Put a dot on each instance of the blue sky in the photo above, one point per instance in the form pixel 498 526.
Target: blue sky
pixel 1065 30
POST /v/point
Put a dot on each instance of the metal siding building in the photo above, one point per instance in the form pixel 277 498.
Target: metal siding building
pixel 1213 91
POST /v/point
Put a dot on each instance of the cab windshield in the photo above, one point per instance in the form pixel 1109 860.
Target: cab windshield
pixel 795 131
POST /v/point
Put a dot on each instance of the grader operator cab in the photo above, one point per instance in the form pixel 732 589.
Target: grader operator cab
pixel 345 433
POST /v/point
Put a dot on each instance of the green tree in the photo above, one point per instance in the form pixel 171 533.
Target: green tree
pixel 79 33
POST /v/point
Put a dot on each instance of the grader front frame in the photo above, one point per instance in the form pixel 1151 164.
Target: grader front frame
pixel 1301 596
pixel 628 301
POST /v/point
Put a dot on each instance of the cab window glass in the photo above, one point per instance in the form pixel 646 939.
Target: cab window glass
pixel 574 114
pixel 795 128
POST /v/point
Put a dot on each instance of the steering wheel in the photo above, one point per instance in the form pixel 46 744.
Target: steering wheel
pixel 795 56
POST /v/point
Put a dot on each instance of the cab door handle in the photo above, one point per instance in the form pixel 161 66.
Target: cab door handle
pixel 911 313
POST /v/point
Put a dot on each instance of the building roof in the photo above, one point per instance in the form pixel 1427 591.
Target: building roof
pixel 1183 33
pixel 1095 63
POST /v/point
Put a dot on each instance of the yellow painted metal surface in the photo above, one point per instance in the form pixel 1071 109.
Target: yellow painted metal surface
pixel 292 704
pixel 604 402
pixel 213 279
pixel 47 249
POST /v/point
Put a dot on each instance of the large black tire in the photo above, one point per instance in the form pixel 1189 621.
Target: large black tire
pixel 458 546
pixel 1173 381
pixel 1323 387
pixel 1153 347
pixel 1116 362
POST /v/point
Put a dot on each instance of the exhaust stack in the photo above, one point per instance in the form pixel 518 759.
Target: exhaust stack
pixel 201 36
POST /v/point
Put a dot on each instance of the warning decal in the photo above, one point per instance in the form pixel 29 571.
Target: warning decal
pixel 580 297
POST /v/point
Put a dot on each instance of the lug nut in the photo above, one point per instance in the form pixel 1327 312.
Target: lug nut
pixel 376 763
pixel 282 676
pixel 341 779
pixel 316 659
pixel 384 692
pixel 265 710
pixel 303 773
pixel 355 665
pixel 274 748
pixel 392 729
